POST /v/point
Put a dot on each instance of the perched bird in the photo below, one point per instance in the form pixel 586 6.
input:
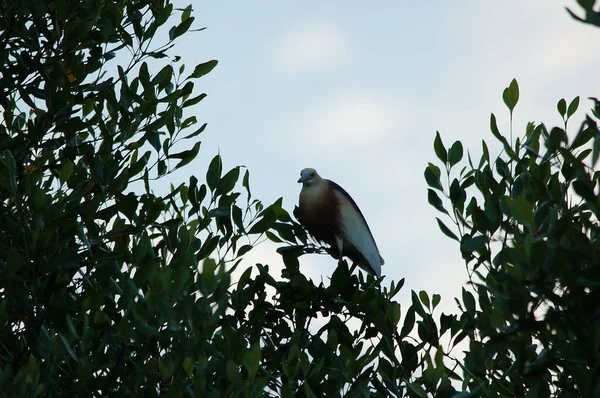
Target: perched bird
pixel 330 215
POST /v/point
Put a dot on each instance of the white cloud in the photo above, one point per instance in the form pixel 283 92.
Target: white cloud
pixel 344 123
pixel 311 46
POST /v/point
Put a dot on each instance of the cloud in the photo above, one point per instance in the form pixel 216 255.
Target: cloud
pixel 309 47
pixel 345 123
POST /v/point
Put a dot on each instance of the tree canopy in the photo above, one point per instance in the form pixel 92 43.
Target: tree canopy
pixel 108 288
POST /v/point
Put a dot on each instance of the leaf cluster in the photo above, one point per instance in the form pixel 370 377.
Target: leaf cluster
pixel 527 224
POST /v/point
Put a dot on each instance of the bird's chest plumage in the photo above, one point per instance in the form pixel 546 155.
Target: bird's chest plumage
pixel 319 212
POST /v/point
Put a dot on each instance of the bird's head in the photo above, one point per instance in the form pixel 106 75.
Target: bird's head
pixel 309 176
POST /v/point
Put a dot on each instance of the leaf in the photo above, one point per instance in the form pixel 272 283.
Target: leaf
pixel 190 121
pixel 585 191
pixel 432 178
pixel 469 302
pixel 163 77
pixel 424 298
pixel 438 147
pixel 520 209
pixel 244 249
pixel 561 106
pixel 457 195
pixel 67 347
pixel 455 154
pixel 180 29
pixel 228 181
pixel 470 244
pixel 186 156
pixel 417 305
pixel 500 137
pixel 446 230
pixel 203 69
pixel 511 95
pixel 9 171
pixel 583 136
pixel 213 174
pixel 65 171
pixel 573 107
pixel 502 168
pixel 417 389
pixel 557 137
pixel 409 322
pixel 193 101
pixel 435 201
pixel 187 12
pixel 246 183
pixel 436 300
pixel 153 138
pixel 195 133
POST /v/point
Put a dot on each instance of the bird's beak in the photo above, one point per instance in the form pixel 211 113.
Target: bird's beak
pixel 301 179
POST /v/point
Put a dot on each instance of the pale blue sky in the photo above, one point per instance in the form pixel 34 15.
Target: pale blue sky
pixel 357 91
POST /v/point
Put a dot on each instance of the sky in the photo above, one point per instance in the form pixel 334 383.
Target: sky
pixel 357 91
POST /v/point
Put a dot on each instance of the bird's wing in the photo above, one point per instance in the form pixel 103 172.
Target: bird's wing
pixel 356 230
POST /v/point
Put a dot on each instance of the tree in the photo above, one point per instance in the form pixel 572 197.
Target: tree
pixel 97 279
pixel 108 288
pixel 527 222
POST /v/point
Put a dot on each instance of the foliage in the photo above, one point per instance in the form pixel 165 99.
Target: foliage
pixel 108 288
pixel 97 279
pixel 529 234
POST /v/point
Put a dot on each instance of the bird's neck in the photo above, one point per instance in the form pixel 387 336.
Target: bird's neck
pixel 313 193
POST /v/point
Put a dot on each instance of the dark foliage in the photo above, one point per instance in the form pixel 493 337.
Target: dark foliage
pixel 108 288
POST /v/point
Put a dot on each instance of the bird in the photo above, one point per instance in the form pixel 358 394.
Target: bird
pixel 331 216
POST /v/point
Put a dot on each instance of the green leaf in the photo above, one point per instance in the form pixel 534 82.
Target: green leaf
pixel 186 156
pixel 65 171
pixel 163 77
pixel 190 121
pixel 446 230
pixel 228 181
pixel 213 174
pixel 409 322
pixel 187 12
pixel 502 168
pixel 67 347
pixel 8 174
pixel 252 359
pixel 583 136
pixel 457 196
pixel 432 177
pixel 180 29
pixel 511 95
pixel 469 302
pixel 246 183
pixel 195 133
pixel 561 106
pixel 439 148
pixel 557 137
pixel 193 101
pixel 500 137
pixel 436 300
pixel 244 249
pixel 203 69
pixel 417 389
pixel 519 208
pixel 435 201
pixel 470 244
pixel 455 154
pixel 573 107
pixel 424 297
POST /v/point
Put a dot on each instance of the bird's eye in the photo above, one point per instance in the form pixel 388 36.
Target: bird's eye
pixel 312 175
